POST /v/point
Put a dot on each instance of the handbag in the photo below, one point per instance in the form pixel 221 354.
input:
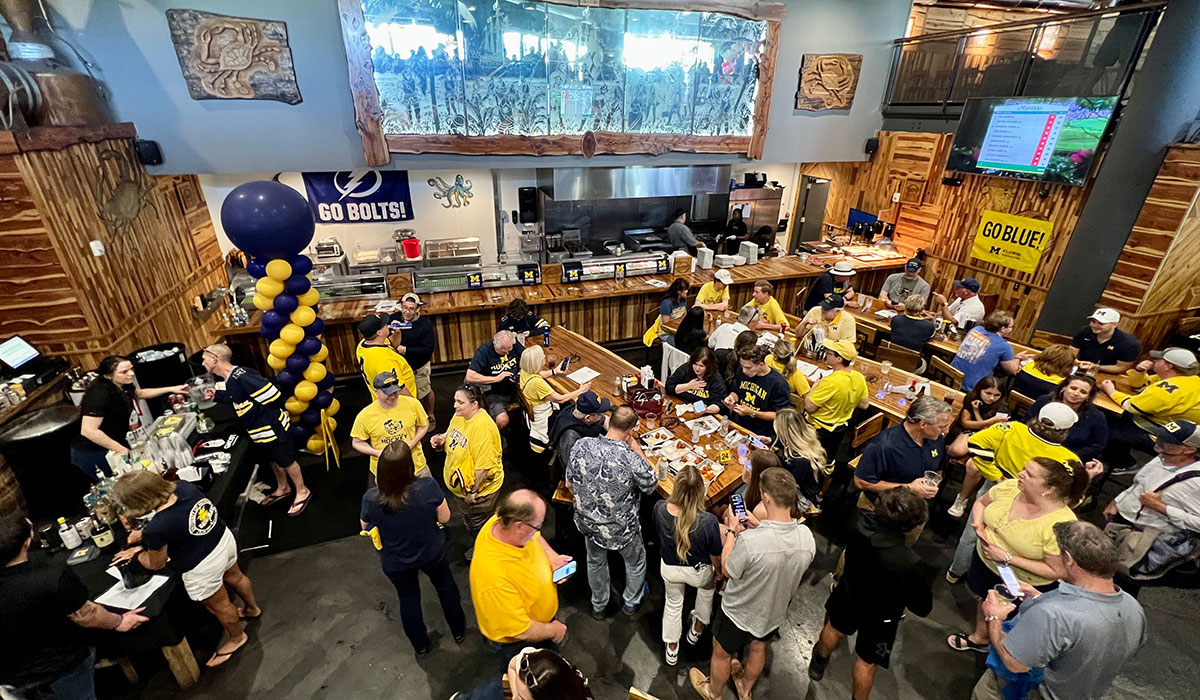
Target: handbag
pixel 1149 552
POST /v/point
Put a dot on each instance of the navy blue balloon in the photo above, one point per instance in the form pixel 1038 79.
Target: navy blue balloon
pixel 296 284
pixel 298 363
pixel 326 382
pixel 267 219
pixel 311 417
pixel 287 379
pixel 323 399
pixel 301 265
pixel 299 432
pixel 274 319
pixel 317 327
pixel 269 333
pixel 257 268
pixel 308 346
pixel 286 304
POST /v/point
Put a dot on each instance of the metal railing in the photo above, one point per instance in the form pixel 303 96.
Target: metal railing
pixel 1081 54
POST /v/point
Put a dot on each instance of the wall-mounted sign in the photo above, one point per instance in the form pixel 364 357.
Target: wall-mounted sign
pixel 475 280
pixel 359 196
pixel 1015 242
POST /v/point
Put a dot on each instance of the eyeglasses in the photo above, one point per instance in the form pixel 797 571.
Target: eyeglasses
pixel 535 527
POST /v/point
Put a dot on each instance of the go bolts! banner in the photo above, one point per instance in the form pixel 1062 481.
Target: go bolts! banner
pixel 359 196
pixel 1015 242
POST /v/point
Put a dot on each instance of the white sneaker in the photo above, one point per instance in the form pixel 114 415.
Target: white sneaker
pixel 959 507
pixel 692 635
pixel 672 657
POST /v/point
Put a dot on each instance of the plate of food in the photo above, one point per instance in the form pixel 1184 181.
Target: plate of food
pixel 657 436
pixel 674 449
pixel 688 459
pixel 710 470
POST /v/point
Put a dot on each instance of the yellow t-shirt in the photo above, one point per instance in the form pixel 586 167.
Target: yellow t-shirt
pixel 1029 539
pixel 379 427
pixel 1002 450
pixel 535 389
pixel 797 383
pixel 373 359
pixel 510 586
pixel 473 445
pixel 842 327
pixel 836 397
pixel 708 294
pixel 771 312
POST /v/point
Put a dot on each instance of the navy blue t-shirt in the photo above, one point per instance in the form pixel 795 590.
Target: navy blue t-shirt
pixel 490 363
pixel 1121 347
pixel 801 468
pixel 410 534
pixel 893 456
pixel 912 333
pixel 769 392
pixel 189 528
pixel 705 537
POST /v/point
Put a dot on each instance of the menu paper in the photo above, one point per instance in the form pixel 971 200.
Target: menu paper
pixel 583 374
pixel 130 598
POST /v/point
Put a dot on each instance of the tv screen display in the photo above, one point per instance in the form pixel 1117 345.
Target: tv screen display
pixel 15 352
pixel 1049 139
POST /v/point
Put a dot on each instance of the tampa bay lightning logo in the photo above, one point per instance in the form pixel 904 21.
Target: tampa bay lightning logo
pixel 357 183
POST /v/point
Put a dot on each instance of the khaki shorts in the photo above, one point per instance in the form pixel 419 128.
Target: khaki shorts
pixel 424 387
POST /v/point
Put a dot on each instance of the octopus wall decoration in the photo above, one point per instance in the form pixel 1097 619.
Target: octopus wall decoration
pixel 457 195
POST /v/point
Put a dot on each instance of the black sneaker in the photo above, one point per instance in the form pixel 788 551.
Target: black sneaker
pixel 425 649
pixel 598 615
pixel 816 665
pixel 460 638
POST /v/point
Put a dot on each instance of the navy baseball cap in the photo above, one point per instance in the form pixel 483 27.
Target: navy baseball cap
pixel 1180 432
pixel 968 283
pixel 833 301
pixel 913 265
pixel 371 324
pixel 591 403
pixel 387 382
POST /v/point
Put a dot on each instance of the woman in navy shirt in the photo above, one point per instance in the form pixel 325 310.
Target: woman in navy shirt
pixel 1089 435
pixel 404 515
pixel 673 306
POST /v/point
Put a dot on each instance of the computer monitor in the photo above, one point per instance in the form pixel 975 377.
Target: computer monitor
pixel 15 352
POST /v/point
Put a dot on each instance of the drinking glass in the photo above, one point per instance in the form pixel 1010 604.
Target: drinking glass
pixel 885 367
pixel 1005 594
pixel 934 478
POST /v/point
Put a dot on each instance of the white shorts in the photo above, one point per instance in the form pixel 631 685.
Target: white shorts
pixel 207 577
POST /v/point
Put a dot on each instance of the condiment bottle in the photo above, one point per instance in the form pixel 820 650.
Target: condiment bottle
pixel 70 538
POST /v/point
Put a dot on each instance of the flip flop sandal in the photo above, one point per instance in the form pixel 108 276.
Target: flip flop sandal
pixel 244 616
pixel 223 656
pixel 303 504
pixel 272 498
pixel 962 642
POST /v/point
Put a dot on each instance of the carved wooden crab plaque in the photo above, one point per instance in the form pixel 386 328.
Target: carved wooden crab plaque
pixel 233 58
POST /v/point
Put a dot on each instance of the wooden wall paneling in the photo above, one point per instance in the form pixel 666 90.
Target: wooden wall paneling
pixel 766 83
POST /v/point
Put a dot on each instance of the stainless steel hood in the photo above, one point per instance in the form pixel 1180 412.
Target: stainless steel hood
pixel 572 184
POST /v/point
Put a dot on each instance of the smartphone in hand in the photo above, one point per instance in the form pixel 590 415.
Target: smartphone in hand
pixel 564 572
pixel 739 507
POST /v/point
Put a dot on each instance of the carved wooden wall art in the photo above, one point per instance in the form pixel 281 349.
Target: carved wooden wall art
pixel 828 81
pixel 233 58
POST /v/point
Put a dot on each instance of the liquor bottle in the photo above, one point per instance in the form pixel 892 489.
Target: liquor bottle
pixel 66 532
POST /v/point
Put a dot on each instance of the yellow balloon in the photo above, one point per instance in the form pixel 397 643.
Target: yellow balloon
pixel 304 316
pixel 310 297
pixel 291 333
pixel 276 363
pixel 320 355
pixel 295 406
pixel 332 424
pixel 269 287
pixel 306 391
pixel 279 270
pixel 282 348
pixel 315 372
pixel 315 444
pixel 334 408
pixel 263 303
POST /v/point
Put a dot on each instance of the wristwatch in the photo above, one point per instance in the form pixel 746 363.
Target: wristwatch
pixel 731 531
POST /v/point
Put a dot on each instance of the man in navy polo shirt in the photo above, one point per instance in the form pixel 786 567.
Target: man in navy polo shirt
pixel 1104 346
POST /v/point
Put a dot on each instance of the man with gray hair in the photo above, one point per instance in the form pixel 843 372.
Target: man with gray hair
pixel 494 369
pixel 722 339
pixel 1080 634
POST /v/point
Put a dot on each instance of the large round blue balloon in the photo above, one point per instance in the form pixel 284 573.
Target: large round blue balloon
pixel 298 363
pixel 274 319
pixel 308 346
pixel 317 327
pixel 311 417
pixel 269 332
pixel 287 378
pixel 326 382
pixel 301 265
pixel 286 304
pixel 323 399
pixel 257 268
pixel 267 219
pixel 299 432
pixel 296 284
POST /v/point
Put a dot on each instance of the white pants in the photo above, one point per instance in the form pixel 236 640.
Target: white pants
pixel 676 579
pixel 209 575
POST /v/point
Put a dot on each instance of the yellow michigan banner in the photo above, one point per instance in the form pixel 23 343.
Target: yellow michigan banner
pixel 1015 242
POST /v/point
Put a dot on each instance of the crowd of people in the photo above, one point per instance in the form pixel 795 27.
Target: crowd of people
pixel 1050 615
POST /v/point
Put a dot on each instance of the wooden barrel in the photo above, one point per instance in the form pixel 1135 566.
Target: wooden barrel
pixel 11 498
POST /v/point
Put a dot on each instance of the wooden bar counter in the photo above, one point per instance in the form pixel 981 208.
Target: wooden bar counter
pixel 601 310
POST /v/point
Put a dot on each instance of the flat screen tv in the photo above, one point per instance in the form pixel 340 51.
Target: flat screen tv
pixel 1048 139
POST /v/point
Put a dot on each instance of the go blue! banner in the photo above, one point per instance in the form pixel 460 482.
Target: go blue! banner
pixel 359 196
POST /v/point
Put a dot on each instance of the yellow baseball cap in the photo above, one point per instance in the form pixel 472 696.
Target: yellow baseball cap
pixel 844 348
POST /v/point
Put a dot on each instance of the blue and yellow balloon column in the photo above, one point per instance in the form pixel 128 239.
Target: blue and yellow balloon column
pixel 272 223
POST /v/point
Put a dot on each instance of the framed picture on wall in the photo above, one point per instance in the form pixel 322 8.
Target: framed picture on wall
pixel 912 191
pixel 189 194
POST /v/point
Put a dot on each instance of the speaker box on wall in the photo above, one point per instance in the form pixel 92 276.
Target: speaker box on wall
pixel 527 202
pixel 871 146
pixel 148 152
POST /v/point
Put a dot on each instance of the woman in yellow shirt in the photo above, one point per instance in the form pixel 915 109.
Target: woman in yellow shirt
pixel 783 360
pixel 540 396
pixel 474 471
pixel 1015 523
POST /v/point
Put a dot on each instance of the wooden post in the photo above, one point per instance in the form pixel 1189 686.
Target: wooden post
pixel 182 662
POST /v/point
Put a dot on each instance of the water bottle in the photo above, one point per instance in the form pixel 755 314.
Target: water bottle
pixel 70 538
pixel 695 433
pixel 546 336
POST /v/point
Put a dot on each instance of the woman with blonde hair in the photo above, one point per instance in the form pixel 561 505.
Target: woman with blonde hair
pixel 783 360
pixel 691 555
pixel 800 451
pixel 172 523
pixel 540 396
pixel 1046 372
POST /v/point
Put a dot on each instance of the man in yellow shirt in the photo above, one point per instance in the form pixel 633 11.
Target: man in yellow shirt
pixel 391 417
pixel 714 296
pixel 830 317
pixel 512 582
pixel 375 353
pixel 1172 392
pixel 832 401
pixel 772 315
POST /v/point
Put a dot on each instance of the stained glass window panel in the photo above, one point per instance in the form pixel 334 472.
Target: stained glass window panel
pixel 726 86
pixel 662 55
pixel 587 76
pixel 505 62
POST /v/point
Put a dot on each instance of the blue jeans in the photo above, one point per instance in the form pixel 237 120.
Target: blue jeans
pixel 408 590
pixel 634 555
pixel 76 684
pixel 966 543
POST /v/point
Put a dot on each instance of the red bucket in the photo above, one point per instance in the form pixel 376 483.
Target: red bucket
pixel 412 247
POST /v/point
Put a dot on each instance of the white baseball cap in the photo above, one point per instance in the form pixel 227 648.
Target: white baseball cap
pixel 843 268
pixel 1058 415
pixel 1105 315
pixel 1181 358
pixel 723 277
